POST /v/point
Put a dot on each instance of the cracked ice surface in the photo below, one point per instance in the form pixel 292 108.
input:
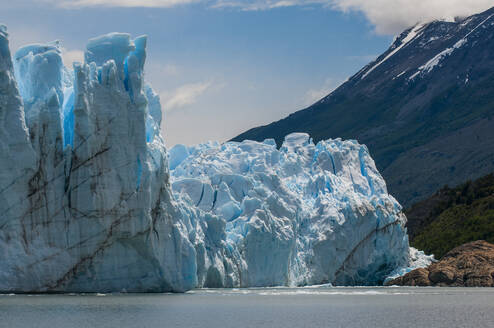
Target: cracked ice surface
pixel 97 214
pixel 86 202
pixel 303 214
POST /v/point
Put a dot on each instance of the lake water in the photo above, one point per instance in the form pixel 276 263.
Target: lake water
pixel 265 307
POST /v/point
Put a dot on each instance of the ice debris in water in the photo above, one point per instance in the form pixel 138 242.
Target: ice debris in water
pixel 87 205
pixel 417 259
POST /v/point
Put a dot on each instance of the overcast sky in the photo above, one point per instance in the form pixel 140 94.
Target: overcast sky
pixel 224 66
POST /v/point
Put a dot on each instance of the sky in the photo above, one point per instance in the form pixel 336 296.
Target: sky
pixel 224 66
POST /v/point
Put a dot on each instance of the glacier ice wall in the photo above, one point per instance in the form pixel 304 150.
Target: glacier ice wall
pixel 90 200
pixel 302 214
pixel 85 198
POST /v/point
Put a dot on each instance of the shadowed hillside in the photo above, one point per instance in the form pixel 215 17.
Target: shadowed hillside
pixel 453 216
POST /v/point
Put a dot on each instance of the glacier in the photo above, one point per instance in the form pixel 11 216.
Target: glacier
pixel 92 201
pixel 300 215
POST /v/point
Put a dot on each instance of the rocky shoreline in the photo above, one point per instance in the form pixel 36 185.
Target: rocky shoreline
pixel 469 265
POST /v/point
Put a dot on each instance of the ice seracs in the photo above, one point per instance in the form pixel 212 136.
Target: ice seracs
pixel 302 214
pixel 87 203
pixel 93 213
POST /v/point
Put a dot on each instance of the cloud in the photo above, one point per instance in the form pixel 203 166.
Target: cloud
pixel 71 56
pixel 314 95
pixel 184 95
pixel 362 58
pixel 119 3
pixel 20 36
pixel 241 4
pixel 392 16
pixel 171 70
pixel 388 16
pixel 255 5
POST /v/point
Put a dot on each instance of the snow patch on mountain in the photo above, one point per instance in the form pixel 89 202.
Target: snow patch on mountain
pixel 431 64
pixel 412 34
pixel 436 60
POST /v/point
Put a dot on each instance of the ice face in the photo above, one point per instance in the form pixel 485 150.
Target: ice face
pixel 153 121
pixel 96 215
pixel 303 214
pixel 87 203
pixel 18 159
pixel 38 69
pixel 113 46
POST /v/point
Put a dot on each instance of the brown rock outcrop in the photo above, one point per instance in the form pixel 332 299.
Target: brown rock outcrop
pixel 469 265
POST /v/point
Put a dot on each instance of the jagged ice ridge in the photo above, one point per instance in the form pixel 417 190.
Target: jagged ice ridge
pixel 90 201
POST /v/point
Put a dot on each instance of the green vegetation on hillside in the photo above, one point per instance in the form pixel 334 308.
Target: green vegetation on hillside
pixel 457 216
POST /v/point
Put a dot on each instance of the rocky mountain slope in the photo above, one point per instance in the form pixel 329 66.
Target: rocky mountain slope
pixel 425 108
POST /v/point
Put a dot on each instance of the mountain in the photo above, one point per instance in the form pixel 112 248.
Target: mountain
pixel 89 202
pixel 424 108
pixel 453 216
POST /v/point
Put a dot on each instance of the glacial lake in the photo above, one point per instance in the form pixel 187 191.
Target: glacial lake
pixel 263 307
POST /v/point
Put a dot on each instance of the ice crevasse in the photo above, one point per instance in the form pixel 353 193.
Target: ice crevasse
pixel 90 200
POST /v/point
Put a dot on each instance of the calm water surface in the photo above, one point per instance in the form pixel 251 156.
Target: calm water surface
pixel 272 307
